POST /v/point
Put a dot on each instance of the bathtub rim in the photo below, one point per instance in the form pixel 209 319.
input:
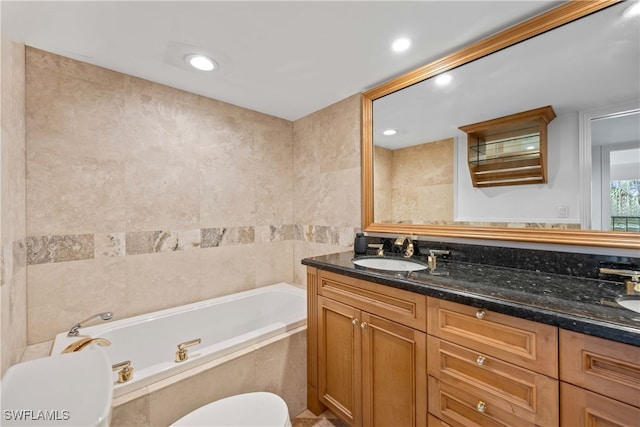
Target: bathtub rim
pixel 61 340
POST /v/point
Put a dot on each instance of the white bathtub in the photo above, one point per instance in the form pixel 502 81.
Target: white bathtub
pixel 225 324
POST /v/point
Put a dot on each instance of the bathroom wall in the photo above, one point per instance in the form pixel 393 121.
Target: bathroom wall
pixel 326 177
pixel 13 295
pixel 521 203
pixel 142 197
pixel 420 180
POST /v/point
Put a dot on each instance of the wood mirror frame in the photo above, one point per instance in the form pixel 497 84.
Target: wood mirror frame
pixel 556 17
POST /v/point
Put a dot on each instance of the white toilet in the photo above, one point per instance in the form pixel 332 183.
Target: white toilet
pixel 259 409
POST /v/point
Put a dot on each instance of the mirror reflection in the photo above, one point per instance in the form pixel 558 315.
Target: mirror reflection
pixel 582 69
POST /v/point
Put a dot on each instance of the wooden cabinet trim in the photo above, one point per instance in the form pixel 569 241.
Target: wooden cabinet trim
pixel 581 407
pixel 532 392
pixel 346 401
pixel 606 367
pixel 522 342
pixel 398 305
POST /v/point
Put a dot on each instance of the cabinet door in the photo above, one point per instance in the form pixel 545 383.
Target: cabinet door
pixel 394 379
pixel 582 408
pixel 339 364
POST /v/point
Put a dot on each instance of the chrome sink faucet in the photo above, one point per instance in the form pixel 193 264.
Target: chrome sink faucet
pixel 73 332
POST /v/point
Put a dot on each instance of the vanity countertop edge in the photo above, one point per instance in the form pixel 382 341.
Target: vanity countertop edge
pixel 617 324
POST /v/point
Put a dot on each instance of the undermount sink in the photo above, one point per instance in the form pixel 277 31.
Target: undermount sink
pixel 390 264
pixel 630 302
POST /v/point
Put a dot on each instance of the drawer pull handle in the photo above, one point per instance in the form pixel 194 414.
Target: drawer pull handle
pixel 481 407
pixel 363 325
pixel 480 314
pixel 480 360
pixel 355 321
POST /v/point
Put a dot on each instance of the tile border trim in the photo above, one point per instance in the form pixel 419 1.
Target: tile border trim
pixel 76 247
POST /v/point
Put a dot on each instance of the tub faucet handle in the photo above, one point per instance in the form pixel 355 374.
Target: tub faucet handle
pixel 125 371
pixel 182 354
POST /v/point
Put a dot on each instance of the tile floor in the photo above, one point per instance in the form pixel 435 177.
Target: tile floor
pixel 308 419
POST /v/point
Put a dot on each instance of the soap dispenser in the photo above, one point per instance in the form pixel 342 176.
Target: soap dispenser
pixel 360 244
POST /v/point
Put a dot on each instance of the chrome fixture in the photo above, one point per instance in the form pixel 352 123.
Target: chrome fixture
pixel 182 354
pixel 73 332
pixel 404 245
pixel 632 284
pixel 125 371
pixel 83 343
pixel 433 258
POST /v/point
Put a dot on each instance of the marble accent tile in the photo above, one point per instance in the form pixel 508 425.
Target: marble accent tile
pixel 237 236
pixel 141 242
pixel 188 239
pixel 47 249
pixel 19 254
pixel 109 244
pixel 210 237
pixel 274 233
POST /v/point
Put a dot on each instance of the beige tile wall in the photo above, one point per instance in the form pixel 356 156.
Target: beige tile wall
pixel 13 288
pixel 126 177
pixel 326 171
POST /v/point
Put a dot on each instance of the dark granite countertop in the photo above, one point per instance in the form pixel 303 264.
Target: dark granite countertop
pixel 568 302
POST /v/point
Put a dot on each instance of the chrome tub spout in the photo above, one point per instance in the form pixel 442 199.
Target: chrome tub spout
pixel 73 332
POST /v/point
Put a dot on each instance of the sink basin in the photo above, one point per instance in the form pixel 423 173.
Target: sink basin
pixel 390 264
pixel 74 389
pixel 631 302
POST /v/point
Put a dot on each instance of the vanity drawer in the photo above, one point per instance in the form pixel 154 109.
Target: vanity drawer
pixel 435 422
pixel 606 367
pixel 404 307
pixel 524 343
pixel 581 407
pixel 530 395
pixel 462 405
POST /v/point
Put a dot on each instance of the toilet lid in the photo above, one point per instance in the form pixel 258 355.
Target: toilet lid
pixel 250 409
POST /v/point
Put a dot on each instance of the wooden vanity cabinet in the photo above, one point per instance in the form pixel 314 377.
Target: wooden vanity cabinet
pixel 371 370
pixel 600 381
pixel 490 369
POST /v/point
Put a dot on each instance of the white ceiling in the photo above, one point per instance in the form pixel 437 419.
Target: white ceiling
pixel 286 59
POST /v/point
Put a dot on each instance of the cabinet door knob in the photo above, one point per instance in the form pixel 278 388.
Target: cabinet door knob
pixel 363 325
pixel 480 360
pixel 355 321
pixel 480 314
pixel 481 407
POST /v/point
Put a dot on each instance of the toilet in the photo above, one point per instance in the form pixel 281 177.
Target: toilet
pixel 250 409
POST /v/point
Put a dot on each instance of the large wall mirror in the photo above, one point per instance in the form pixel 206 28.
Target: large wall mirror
pixel 583 59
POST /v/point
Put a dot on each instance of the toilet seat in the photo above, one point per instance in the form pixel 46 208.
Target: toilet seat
pixel 259 409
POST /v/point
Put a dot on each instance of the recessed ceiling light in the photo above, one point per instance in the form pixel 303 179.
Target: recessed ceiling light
pixel 400 45
pixel 443 79
pixel 390 132
pixel 633 10
pixel 201 62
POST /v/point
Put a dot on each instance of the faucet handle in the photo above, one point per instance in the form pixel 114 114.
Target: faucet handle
pixel 125 371
pixel 633 274
pixel 182 354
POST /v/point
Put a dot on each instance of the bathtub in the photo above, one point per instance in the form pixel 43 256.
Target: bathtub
pixel 224 324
